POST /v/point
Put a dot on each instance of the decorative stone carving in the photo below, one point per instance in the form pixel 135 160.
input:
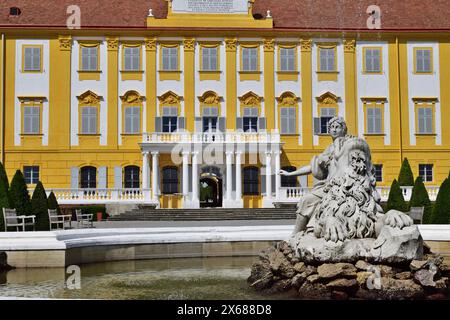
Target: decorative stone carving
pixel 132 96
pixel 250 99
pixel 287 99
pixel 269 45
pixel 210 97
pixel 112 44
pixel 230 44
pixel 306 45
pixel 150 44
pixel 88 98
pixel 169 98
pixel 349 46
pixel 189 44
pixel 327 98
pixel 65 43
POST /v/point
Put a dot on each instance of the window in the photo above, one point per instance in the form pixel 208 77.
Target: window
pixel 251 181
pixel 425 120
pixel 326 114
pixel 287 59
pixel 89 58
pixel 372 60
pixel 132 177
pixel 426 172
pixel 131 58
pixel 170 180
pixel 423 62
pixel 169 119
pixel 31 119
pixel 31 174
pixel 249 59
pixel 378 171
pixel 289 182
pixel 14 11
pixel 132 119
pixel 170 58
pixel 32 58
pixel 374 120
pixel 210 118
pixel 89 120
pixel 250 119
pixel 288 120
pixel 327 59
pixel 88 177
pixel 209 59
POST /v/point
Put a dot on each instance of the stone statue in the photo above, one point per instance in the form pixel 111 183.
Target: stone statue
pixel 344 203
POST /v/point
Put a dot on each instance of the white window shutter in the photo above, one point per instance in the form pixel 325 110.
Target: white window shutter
pixel 222 122
pixel 316 125
pixel 181 123
pixel 74 177
pixel 263 180
pixel 118 177
pixel 239 123
pixel 262 123
pixel 102 177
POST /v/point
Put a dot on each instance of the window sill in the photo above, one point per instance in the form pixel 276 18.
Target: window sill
pixel 89 75
pixel 169 75
pixel 131 74
pixel 31 134
pixel 327 75
pixel 250 75
pixel 425 134
pixel 31 71
pixel 209 75
pixel 288 75
pixel 369 73
pixel 89 134
pixel 289 134
pixel 322 134
pixel 250 72
pixel 423 73
pixel 288 72
pixel 131 134
pixel 374 134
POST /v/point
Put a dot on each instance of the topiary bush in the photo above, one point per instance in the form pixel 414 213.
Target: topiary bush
pixel 39 207
pixel 5 201
pixel 406 177
pixel 420 198
pixel 441 211
pixel 18 192
pixel 395 199
pixel 53 203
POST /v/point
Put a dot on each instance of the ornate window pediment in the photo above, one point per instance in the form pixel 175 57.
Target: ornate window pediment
pixel 132 96
pixel 210 97
pixel 287 99
pixel 328 98
pixel 32 99
pixel 89 97
pixel 169 98
pixel 250 99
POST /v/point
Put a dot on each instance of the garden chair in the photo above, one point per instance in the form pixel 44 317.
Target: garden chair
pixel 54 218
pixel 416 213
pixel 11 219
pixel 84 219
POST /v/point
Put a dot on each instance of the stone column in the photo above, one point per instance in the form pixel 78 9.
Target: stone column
pixel 229 174
pixel 185 174
pixel 268 175
pixel 145 170
pixel 195 177
pixel 155 174
pixel 238 176
pixel 277 174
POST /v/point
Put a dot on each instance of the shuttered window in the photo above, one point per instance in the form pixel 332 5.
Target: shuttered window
pixel 423 60
pixel 327 59
pixel 374 120
pixel 326 114
pixel 169 119
pixel 88 177
pixel 89 120
pixel 250 119
pixel 287 59
pixel 373 60
pixel 209 59
pixel 131 56
pixel 132 120
pixel 132 177
pixel 425 120
pixel 89 58
pixel 170 59
pixel 249 59
pixel 32 56
pixel 288 120
pixel 31 119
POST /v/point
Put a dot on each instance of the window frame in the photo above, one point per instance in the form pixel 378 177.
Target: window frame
pixel 172 181
pixel 204 46
pixel 375 166
pixel 175 46
pixel 319 111
pixel 32 104
pixel 87 45
pixel 290 108
pixel 245 181
pixel 138 182
pixel 126 46
pixel 422 105
pixel 32 182
pixel 327 46
pixel 423 168
pixel 41 52
pixel 124 117
pixel 80 128
pixel 416 71
pixel 369 72
pixel 287 47
pixel 81 177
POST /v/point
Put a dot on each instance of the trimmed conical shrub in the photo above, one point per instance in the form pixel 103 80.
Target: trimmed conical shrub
pixel 53 203
pixel 18 192
pixel 441 211
pixel 4 176
pixel 39 207
pixel 5 201
pixel 406 177
pixel 420 198
pixel 395 199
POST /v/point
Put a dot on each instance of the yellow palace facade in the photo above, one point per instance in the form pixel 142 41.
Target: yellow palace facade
pixel 204 103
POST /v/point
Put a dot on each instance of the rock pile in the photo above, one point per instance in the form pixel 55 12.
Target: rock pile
pixel 278 270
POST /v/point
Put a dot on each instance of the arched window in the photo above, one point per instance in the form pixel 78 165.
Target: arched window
pixel 88 177
pixel 251 181
pixel 170 180
pixel 290 182
pixel 132 177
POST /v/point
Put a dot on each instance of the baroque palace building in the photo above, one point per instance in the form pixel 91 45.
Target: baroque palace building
pixel 188 103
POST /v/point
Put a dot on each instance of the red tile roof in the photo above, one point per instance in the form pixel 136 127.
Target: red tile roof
pixel 287 14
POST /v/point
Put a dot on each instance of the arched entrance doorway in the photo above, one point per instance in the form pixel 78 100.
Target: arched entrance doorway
pixel 210 188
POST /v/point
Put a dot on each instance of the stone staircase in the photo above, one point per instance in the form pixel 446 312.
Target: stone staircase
pixel 146 213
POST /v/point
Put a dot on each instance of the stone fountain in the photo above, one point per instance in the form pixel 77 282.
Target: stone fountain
pixel 343 244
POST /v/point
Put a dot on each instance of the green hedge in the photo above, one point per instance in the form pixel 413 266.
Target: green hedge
pixel 405 177
pixel 419 198
pixel 395 199
pixel 441 210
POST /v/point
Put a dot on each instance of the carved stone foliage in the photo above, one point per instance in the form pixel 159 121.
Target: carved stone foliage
pixel 250 99
pixel 132 97
pixel 150 44
pixel 269 45
pixel 287 99
pixel 65 43
pixel 169 98
pixel 210 97
pixel 230 44
pixel 328 98
pixel 305 45
pixel 189 44
pixel 88 98
pixel 112 43
pixel 349 46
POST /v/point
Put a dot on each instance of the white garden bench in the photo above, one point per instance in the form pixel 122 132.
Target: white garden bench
pixel 84 219
pixel 54 218
pixel 11 219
